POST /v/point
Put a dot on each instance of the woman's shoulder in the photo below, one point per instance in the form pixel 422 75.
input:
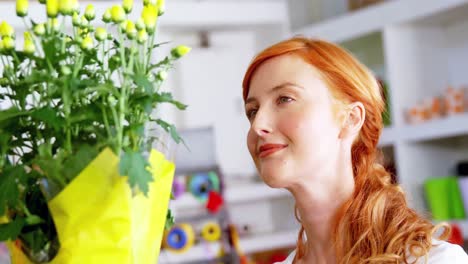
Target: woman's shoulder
pixel 444 252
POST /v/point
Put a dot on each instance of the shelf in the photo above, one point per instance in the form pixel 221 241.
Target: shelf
pixel 388 137
pixel 451 126
pixel 234 194
pixel 375 18
pixel 188 15
pixel 257 243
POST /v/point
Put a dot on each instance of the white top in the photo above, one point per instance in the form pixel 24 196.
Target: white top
pixel 441 253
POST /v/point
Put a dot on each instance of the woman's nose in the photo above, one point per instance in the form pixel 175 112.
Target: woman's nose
pixel 262 124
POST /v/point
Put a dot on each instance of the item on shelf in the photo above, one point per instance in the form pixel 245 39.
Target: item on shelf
pixel 200 184
pixel 357 4
pixel 211 231
pixel 456 236
pixel 235 242
pixel 214 203
pixel 444 198
pixel 462 168
pixel 179 238
pixel 454 100
pixel 416 114
pixel 178 187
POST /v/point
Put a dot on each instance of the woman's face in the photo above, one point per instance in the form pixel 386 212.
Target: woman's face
pixel 294 133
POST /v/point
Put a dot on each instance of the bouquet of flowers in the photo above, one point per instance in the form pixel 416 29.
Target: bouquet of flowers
pixel 79 179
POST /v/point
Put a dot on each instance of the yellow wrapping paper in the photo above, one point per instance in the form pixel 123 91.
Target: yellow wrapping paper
pixel 99 221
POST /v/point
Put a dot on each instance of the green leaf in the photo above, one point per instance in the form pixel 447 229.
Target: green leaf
pixel 142 81
pixel 11 113
pixel 9 180
pixel 78 161
pixel 134 165
pixel 166 97
pixel 170 128
pixel 49 117
pixel 11 230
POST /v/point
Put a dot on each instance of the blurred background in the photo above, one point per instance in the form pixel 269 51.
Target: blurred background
pixel 418 49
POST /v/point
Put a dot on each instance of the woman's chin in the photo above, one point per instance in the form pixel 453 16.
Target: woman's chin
pixel 273 180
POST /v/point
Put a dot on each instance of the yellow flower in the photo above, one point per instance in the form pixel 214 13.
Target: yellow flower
pixel 52 8
pixel 39 29
pixel 161 7
pixel 100 34
pixel 127 6
pixel 76 21
pixel 29 47
pixel 66 7
pixel 6 30
pixel 1 47
pixel 42 1
pixel 142 36
pixel 22 7
pixel 90 13
pixel 87 43
pixel 131 29
pixel 106 17
pixel 180 51
pixel 150 16
pixel 8 43
pixel 117 14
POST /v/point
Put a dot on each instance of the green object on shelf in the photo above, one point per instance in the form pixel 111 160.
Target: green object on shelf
pixel 444 198
pixel 386 118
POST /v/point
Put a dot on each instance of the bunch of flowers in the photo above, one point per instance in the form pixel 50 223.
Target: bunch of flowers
pixel 71 91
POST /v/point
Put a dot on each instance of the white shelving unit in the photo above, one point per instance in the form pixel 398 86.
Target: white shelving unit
pixel 419 47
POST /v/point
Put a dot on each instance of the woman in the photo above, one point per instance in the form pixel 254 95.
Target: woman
pixel 315 117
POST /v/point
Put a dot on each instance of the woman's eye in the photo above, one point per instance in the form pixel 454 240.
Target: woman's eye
pixel 251 113
pixel 284 99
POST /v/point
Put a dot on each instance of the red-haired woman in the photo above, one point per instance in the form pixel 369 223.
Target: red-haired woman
pixel 315 117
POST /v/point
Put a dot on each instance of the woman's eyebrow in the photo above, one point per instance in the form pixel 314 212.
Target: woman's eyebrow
pixel 274 89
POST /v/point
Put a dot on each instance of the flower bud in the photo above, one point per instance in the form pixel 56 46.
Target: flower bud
pixel 8 43
pixel 117 14
pixel 29 47
pixel 106 17
pixel 162 75
pixel 55 24
pixel 84 22
pixel 87 43
pixel 76 20
pixel 90 13
pixel 100 34
pixel 65 7
pixel 52 8
pixel 142 36
pixel 42 1
pixel 22 8
pixel 140 24
pixel 6 30
pixel 161 6
pixel 127 6
pixel 39 29
pixel 65 70
pixel 150 16
pixel 131 30
pixel 180 51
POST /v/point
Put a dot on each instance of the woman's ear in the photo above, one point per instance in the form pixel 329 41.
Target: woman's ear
pixel 353 120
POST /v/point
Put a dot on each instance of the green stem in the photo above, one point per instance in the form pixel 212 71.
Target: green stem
pixel 150 51
pixel 122 97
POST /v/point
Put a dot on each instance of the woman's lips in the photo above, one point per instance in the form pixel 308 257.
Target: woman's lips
pixel 268 149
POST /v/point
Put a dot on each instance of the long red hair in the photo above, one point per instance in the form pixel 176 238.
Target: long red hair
pixel 375 225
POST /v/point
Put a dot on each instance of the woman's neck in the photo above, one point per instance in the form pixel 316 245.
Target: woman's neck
pixel 317 206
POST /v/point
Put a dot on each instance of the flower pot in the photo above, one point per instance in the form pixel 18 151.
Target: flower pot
pixel 99 220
